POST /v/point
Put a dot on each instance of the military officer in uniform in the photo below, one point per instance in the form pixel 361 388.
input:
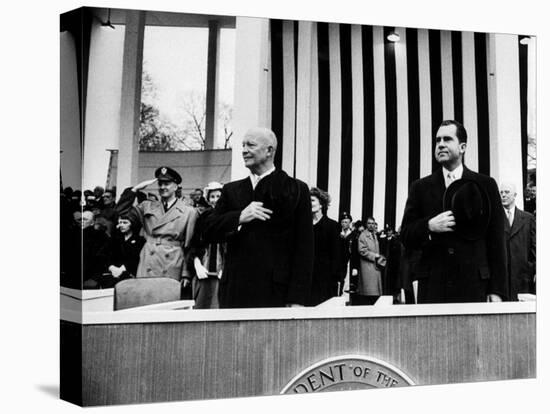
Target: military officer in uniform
pixel 168 225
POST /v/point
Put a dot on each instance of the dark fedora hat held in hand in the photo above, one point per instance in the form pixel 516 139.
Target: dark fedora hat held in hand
pixel 471 208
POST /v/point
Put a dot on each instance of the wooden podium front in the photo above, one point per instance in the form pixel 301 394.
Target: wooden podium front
pixel 171 355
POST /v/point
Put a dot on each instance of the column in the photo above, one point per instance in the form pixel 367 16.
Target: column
pixel 128 140
pixel 70 143
pixel 212 82
pixel 102 102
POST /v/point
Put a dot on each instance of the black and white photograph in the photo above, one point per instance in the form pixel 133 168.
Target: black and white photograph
pixel 351 204
pixel 281 203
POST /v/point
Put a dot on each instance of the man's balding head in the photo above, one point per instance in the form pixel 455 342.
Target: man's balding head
pixel 265 135
pixel 508 194
pixel 87 219
pixel 259 147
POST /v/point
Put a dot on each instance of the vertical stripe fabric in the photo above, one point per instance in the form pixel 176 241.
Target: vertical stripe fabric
pixel 380 138
pixel 413 100
pixel 470 99
pixel 375 107
pixel 391 129
pixel 368 116
pixel 482 95
pixel 289 97
pixel 324 106
pixel 523 49
pixel 456 53
pixel 402 106
pixel 347 118
pixel 277 102
pixel 447 90
pixel 315 121
pixel 335 132
pixel 424 83
pixel 434 42
pixel 296 39
pixel 358 137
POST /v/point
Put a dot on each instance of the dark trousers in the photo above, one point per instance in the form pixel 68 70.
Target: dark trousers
pixel 205 293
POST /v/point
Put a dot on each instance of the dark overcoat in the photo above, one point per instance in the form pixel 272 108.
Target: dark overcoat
pixel 96 248
pixel 327 262
pixel 354 258
pixel 521 248
pixel 391 248
pixel 123 252
pixel 126 252
pixel 345 247
pixel 450 268
pixel 268 263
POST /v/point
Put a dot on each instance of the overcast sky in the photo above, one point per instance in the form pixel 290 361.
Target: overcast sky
pixel 175 57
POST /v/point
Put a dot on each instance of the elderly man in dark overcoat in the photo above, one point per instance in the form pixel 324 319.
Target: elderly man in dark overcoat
pixel 454 267
pixel 521 243
pixel 266 221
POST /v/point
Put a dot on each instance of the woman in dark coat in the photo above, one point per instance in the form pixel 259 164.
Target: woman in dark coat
pixel 327 263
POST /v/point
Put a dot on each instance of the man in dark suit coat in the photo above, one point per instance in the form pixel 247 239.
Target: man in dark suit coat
pixel 452 268
pixel 521 239
pixel 346 237
pixel 266 221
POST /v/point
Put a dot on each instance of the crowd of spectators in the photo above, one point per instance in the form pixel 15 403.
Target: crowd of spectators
pixel 101 245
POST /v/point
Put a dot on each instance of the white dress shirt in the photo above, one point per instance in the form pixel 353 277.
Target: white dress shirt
pixel 255 179
pixel 450 176
pixel 510 214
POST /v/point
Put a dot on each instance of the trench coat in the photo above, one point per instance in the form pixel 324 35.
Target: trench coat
pixel 370 277
pixel 167 236
pixel 452 269
pixel 521 246
pixel 267 263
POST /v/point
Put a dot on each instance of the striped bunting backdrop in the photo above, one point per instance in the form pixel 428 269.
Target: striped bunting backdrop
pixel 376 106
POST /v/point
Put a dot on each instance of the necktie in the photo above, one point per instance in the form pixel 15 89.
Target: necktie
pixel 165 204
pixel 509 214
pixel 450 178
pixel 255 179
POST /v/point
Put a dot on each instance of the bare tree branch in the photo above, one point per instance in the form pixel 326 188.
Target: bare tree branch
pixel 188 130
